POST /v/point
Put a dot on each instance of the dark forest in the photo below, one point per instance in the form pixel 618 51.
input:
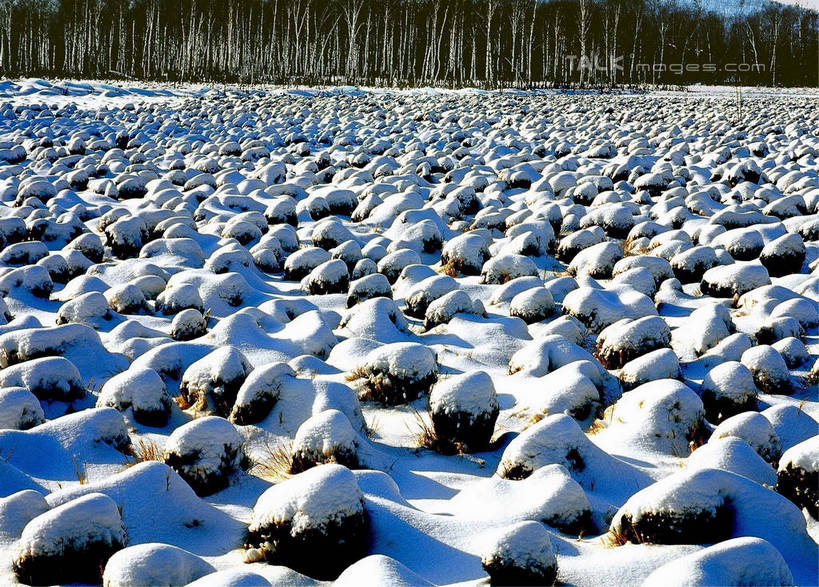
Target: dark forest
pixel 489 43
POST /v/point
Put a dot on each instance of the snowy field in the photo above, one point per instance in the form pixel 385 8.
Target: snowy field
pixel 254 336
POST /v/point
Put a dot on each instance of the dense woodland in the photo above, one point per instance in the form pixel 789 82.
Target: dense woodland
pixel 409 42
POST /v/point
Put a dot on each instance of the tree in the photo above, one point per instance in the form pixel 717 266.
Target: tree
pixel 492 42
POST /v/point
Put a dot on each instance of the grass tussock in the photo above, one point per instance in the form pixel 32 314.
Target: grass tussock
pixel 425 437
pixel 275 462
pixel 369 388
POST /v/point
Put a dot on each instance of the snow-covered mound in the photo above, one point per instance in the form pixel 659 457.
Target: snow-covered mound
pixel 71 542
pixel 521 555
pixel 739 561
pixel 319 510
pixel 277 336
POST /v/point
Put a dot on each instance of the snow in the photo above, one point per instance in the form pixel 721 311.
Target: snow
pixel 408 360
pixel 472 393
pixel 525 545
pixel 19 509
pixel 205 448
pixel 208 380
pixel 803 455
pixel 597 260
pixel 791 424
pixel 735 455
pixel 598 308
pixel 557 439
pixel 532 304
pixel 48 378
pixel 260 390
pixel 379 569
pixel 597 278
pixel 754 429
pixel 730 379
pixel 739 561
pixel 548 495
pixel 311 500
pixel 507 267
pixel 73 525
pixel 659 416
pixel 444 309
pixel 19 408
pixel 141 390
pixel 324 434
pixel 158 506
pixel 756 511
pixel 547 354
pixel 421 295
pixel 735 279
pixel 630 337
pixel 154 564
pixel 658 364
pixel 768 368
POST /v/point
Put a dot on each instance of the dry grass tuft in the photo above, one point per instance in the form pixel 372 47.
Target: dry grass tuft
pixel 93 386
pixel 144 450
pixel 602 423
pixel 613 539
pixel 530 419
pixel 595 427
pixel 356 374
pixel 425 437
pixel 372 426
pixel 80 471
pixel 275 464
pixel 698 436
pixel 450 268
pixel 181 402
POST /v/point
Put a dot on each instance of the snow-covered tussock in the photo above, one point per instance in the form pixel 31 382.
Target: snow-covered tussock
pixel 320 510
pixel 609 299
pixel 71 542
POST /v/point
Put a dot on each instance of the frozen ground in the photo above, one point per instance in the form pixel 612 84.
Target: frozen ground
pixel 558 336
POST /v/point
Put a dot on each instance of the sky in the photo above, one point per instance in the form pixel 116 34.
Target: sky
pixel 814 4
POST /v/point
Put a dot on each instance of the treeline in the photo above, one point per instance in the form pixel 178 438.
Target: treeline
pixel 410 42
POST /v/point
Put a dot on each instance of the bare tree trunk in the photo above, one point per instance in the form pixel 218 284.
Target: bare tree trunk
pixel 582 31
pixel 491 6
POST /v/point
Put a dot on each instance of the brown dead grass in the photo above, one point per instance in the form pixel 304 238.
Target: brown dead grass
pixel 450 268
pixel 144 450
pixel 602 423
pixel 181 402
pixel 356 374
pixel 425 437
pixel 275 463
pixel 80 471
pixel 372 426
pixel 595 427
pixel 613 539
